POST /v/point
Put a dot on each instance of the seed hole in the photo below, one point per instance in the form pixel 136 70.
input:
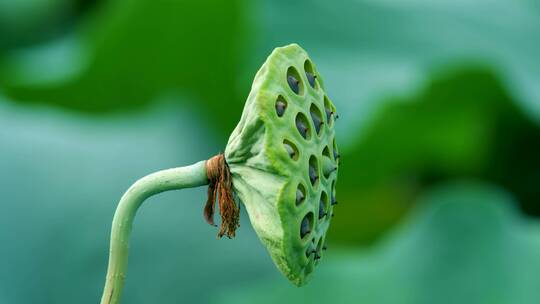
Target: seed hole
pixel 323 205
pixel 329 164
pixel 310 74
pixel 316 116
pixel 336 153
pixel 313 170
pixel 317 253
pixel 319 244
pixel 300 194
pixel 281 105
pixel 294 81
pixel 306 225
pixel 303 126
pixel 291 149
pixel 326 152
pixel 329 110
pixel 310 248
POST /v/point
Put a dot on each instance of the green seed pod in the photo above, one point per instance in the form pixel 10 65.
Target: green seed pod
pixel 283 160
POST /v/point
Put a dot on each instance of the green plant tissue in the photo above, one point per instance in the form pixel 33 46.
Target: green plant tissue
pixel 283 158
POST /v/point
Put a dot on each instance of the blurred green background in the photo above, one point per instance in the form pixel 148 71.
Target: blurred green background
pixel 439 133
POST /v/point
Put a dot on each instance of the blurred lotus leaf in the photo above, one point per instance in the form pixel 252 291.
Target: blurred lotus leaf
pixel 462 124
pixel 138 50
pixel 26 22
pixel 464 244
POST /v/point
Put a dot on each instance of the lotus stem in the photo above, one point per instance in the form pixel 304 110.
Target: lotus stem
pixel 161 181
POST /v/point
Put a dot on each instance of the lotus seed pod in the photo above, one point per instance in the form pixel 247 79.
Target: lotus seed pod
pixel 281 157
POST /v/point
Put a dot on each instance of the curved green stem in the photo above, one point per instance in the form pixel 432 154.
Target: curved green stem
pixel 171 179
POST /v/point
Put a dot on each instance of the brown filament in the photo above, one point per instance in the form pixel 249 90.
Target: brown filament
pixel 220 187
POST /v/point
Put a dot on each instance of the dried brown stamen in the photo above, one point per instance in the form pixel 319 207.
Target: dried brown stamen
pixel 220 187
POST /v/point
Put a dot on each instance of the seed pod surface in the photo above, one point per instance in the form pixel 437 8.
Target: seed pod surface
pixel 278 156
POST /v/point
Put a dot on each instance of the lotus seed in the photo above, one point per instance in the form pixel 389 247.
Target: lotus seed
pixel 301 126
pixel 313 177
pixel 290 150
pixel 280 107
pixel 294 83
pixel 329 114
pixel 305 228
pixel 299 195
pixel 315 116
pixel 328 166
pixel 322 209
pixel 311 79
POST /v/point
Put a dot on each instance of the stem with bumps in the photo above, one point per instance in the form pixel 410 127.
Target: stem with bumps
pixel 161 181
